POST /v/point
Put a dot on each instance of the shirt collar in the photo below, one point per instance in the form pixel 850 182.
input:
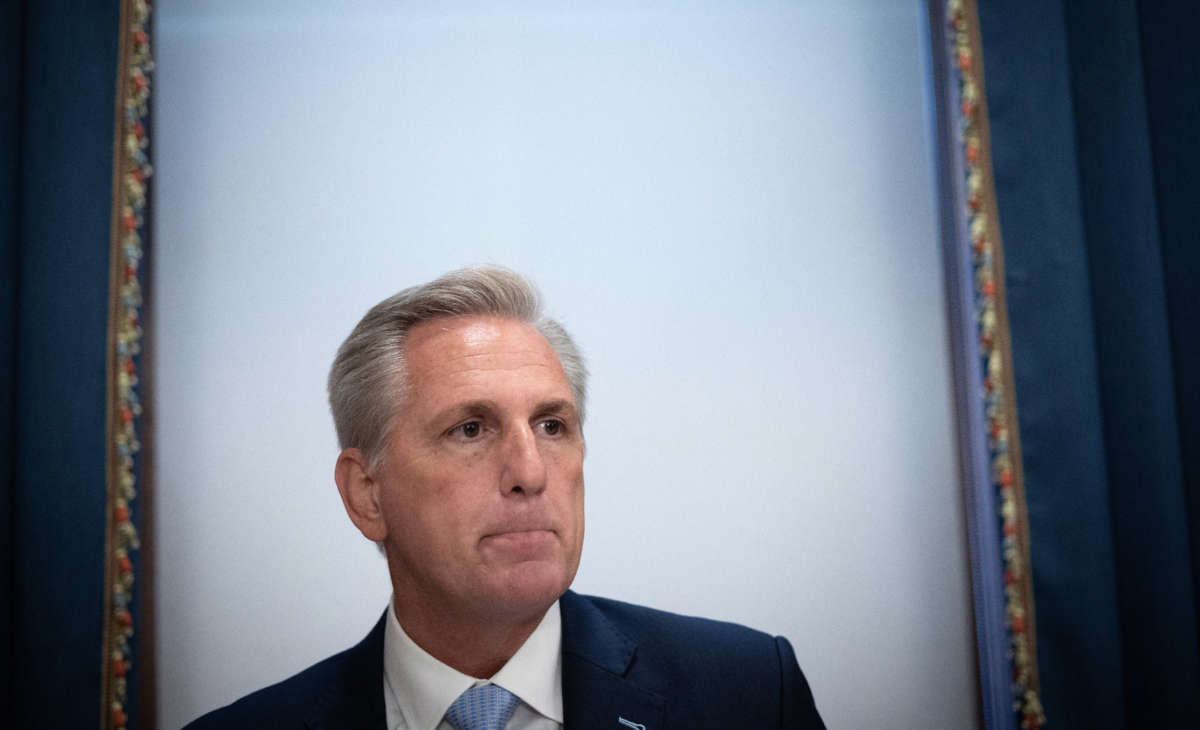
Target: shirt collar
pixel 423 687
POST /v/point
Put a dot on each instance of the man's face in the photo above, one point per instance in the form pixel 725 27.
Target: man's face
pixel 482 483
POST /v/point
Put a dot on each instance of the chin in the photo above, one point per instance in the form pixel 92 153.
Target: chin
pixel 530 588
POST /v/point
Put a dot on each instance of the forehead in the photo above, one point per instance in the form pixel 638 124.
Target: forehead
pixel 476 350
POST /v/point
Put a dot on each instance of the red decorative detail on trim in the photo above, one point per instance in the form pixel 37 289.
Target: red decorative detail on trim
pixel 982 225
pixel 132 166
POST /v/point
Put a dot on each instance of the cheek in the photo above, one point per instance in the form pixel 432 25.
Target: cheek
pixel 565 458
pixel 574 496
pixel 425 499
pixel 568 476
pixel 457 496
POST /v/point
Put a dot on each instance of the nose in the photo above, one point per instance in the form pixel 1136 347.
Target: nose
pixel 525 469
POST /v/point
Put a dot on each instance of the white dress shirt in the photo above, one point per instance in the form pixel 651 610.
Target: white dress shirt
pixel 418 689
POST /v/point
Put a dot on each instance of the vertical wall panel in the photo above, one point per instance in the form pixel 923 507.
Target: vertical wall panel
pixel 732 208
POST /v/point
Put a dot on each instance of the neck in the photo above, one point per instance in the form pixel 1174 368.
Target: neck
pixel 476 647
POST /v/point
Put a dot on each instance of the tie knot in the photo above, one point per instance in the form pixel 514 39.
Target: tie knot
pixel 486 707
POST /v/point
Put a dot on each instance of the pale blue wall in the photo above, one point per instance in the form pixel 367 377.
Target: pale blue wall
pixel 730 204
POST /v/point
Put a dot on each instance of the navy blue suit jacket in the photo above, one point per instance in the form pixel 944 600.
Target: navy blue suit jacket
pixel 653 669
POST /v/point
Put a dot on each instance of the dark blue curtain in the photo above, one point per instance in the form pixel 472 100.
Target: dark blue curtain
pixel 1094 120
pixel 10 115
pixel 57 125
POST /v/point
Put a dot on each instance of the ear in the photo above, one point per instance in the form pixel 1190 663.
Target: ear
pixel 360 494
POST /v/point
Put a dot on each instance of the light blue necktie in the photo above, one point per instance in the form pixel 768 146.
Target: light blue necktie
pixel 486 707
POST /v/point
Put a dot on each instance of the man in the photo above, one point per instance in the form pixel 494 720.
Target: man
pixel 459 409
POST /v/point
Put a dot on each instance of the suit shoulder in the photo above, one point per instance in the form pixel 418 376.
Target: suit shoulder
pixel 652 626
pixel 716 673
pixel 282 704
pixel 334 686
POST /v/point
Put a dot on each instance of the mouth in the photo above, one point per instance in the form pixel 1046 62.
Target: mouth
pixel 518 526
pixel 519 533
pixel 527 543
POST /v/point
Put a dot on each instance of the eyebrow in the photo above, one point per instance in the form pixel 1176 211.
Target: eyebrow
pixel 458 410
pixel 558 405
pixel 485 406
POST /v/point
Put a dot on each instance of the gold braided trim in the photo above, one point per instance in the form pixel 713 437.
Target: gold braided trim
pixel 995 346
pixel 131 169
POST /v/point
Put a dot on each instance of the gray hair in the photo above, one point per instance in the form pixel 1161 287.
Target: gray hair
pixel 367 382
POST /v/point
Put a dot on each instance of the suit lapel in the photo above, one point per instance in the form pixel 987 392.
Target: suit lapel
pixel 597 694
pixel 353 699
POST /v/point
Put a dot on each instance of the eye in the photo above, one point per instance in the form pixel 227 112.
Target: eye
pixel 468 430
pixel 552 427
